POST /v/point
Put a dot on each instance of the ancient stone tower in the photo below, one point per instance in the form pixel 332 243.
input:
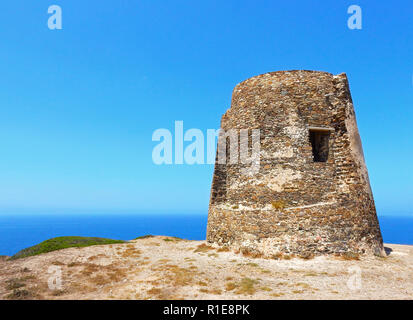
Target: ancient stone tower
pixel 311 194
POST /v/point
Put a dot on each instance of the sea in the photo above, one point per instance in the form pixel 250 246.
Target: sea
pixel 21 231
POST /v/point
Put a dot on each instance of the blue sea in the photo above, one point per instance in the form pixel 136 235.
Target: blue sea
pixel 21 231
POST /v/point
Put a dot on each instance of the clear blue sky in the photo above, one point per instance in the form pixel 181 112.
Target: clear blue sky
pixel 78 106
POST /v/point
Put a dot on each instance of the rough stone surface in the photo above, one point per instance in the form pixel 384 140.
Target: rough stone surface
pixel 293 204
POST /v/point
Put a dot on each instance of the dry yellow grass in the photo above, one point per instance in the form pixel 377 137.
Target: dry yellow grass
pixel 277 295
pixel 252 264
pixel 157 244
pixel 265 289
pixel 177 276
pixel 250 253
pixel 282 256
pixel 211 291
pixel 230 286
pixel 246 286
pixel 349 256
pixel 307 256
pixel 203 248
pixel 99 280
pixel 162 260
pixel 278 204
pixel 131 252
pixel 154 291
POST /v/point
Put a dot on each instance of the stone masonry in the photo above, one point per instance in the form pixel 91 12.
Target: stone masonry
pixel 312 193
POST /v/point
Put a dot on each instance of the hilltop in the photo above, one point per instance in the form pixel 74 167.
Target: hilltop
pixel 171 268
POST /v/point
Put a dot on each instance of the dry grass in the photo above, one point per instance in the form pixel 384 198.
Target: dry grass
pixel 251 253
pixel 177 275
pixel 252 264
pixel 20 294
pixel 58 293
pixel 89 268
pixel 103 275
pixel 349 256
pixel 282 256
pixel 246 286
pixel 13 284
pixel 99 280
pixel 279 204
pixel 230 286
pixel 306 256
pixel 82 287
pixel 215 291
pixel 154 291
pixel 101 255
pixel 28 277
pixel 131 252
pixel 298 291
pixel 203 248
pixel 223 249
pixel 189 259
pixel 213 255
pixel 163 260
pixel 157 244
pixel 265 289
pixel 211 291
pixel 74 264
pixel 302 285
pixel 19 288
pixel 277 295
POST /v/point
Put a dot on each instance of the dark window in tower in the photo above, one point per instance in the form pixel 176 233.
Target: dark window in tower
pixel 319 142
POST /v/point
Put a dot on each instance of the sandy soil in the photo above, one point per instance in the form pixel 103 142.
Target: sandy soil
pixel 168 268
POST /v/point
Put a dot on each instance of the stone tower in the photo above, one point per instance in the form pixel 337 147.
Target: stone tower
pixel 311 194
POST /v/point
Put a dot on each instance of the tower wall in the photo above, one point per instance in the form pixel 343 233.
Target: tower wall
pixel 293 204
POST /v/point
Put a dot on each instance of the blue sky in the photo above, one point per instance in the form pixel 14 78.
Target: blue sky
pixel 78 106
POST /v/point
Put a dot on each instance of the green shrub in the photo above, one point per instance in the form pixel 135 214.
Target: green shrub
pixel 144 237
pixel 62 243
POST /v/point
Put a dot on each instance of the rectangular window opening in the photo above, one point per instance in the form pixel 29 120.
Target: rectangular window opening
pixel 320 144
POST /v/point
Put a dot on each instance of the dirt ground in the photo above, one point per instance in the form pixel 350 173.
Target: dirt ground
pixel 168 268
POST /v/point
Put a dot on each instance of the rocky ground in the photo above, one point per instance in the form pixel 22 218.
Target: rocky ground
pixel 169 268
